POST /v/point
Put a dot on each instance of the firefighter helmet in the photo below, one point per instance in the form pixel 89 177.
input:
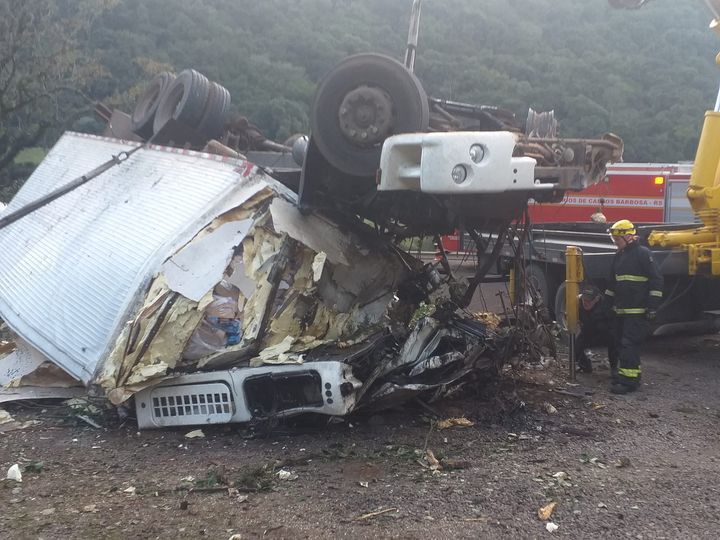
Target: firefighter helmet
pixel 622 228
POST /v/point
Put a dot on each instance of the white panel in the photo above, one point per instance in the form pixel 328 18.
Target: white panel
pixel 200 265
pixel 71 272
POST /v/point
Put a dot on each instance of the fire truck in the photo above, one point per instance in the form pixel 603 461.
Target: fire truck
pixel 651 195
pixel 640 192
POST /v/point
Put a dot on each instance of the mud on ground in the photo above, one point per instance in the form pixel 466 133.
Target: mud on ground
pixel 638 466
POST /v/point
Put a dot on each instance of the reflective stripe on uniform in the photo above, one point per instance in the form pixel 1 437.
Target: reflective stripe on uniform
pixel 630 311
pixel 609 292
pixel 656 293
pixel 630 277
pixel 629 372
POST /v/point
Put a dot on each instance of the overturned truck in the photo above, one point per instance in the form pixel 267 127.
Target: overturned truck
pixel 195 283
pixel 237 279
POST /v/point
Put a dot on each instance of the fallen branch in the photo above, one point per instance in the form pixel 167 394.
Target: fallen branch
pixel 375 514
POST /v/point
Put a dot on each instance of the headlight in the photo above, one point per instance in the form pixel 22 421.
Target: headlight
pixel 459 174
pixel 477 153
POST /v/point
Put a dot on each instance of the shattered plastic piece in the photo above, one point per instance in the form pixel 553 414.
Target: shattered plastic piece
pixel 195 434
pixel 551 527
pixel 364 484
pixel 546 511
pixel 14 473
pixel 5 417
pixel 282 474
pixel 457 422
pixel 549 408
pixel 318 266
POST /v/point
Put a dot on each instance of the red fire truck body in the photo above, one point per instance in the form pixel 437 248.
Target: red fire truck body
pixel 640 192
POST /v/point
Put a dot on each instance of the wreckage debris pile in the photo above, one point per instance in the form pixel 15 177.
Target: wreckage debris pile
pixel 293 288
pixel 258 285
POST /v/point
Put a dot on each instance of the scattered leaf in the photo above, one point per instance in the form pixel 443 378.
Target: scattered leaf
pixel 195 434
pixel 458 422
pixel 546 511
pixel 432 461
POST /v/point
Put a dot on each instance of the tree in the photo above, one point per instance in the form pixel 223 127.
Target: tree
pixel 43 69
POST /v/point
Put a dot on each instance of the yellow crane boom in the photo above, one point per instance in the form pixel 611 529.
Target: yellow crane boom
pixel 702 243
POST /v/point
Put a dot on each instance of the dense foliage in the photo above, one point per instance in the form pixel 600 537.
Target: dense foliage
pixel 647 75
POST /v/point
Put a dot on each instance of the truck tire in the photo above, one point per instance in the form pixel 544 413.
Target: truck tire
pixel 361 102
pixel 184 100
pixel 216 109
pixel 143 115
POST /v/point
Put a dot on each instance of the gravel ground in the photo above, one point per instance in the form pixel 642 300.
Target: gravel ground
pixel 638 466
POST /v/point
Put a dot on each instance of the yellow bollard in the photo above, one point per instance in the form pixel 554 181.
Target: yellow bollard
pixel 574 276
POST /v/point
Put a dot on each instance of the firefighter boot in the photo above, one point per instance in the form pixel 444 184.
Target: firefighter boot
pixel 618 387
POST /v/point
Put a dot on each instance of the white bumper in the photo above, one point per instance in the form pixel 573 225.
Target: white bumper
pixel 425 162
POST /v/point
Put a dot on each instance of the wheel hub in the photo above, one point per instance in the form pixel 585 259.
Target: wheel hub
pixel 366 115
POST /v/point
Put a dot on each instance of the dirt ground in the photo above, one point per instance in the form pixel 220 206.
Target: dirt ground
pixel 638 466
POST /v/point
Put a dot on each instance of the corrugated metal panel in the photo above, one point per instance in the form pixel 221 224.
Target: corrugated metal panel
pixel 71 271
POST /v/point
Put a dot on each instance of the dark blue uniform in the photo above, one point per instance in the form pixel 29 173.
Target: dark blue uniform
pixel 634 291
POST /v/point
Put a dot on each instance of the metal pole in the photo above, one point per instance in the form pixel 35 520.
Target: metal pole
pixel 413 33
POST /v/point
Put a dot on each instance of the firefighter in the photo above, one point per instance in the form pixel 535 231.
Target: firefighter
pixel 595 330
pixel 633 294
